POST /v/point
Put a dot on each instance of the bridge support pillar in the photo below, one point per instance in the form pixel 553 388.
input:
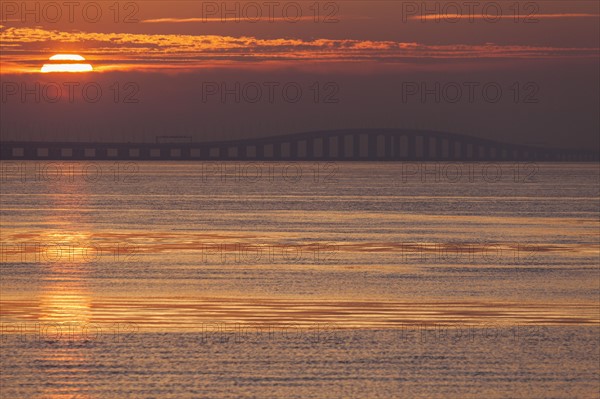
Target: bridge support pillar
pixel 426 155
pixel 412 147
pixel 458 150
pixel 341 140
pixel 452 150
pixel 144 153
pixel 53 153
pixel 205 152
pixel 372 146
pixel 310 148
pixel 389 147
pixel 326 149
pixel 294 149
pixel 277 153
pixel 439 148
pixel 399 146
pixel 223 152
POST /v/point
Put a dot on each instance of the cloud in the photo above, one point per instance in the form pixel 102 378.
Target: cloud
pixel 22 45
pixel 473 16
pixel 223 19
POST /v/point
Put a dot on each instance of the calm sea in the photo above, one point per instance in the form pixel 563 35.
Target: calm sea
pixel 299 280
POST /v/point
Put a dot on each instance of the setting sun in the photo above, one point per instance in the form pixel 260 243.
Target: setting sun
pixel 66 63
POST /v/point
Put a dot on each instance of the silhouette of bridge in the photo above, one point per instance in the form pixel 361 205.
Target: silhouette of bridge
pixel 336 145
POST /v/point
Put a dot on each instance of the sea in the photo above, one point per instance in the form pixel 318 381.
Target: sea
pixel 299 280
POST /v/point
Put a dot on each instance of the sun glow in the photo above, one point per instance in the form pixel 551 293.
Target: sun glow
pixel 68 63
pixel 67 57
pixel 67 68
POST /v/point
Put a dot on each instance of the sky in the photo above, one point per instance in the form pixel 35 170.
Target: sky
pixel 521 72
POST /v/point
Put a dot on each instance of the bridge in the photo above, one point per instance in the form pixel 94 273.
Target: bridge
pixel 336 145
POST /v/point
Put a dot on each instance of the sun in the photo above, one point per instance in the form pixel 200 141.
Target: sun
pixel 66 63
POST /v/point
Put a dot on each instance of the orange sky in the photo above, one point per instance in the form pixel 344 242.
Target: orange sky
pixel 186 34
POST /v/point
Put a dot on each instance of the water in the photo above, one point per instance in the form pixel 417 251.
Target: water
pixel 299 280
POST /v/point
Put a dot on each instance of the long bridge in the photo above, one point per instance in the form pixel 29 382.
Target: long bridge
pixel 336 145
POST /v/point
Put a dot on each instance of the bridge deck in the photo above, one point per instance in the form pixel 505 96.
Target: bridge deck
pixel 372 145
